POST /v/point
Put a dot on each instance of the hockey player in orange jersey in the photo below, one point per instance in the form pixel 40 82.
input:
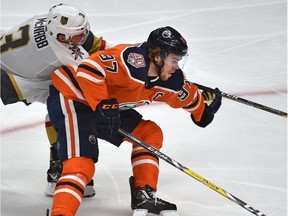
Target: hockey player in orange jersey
pixel 96 98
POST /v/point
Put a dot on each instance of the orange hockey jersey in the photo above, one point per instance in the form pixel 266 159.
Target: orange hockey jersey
pixel 121 72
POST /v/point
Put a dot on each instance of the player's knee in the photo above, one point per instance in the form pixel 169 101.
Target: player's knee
pixel 155 134
pixel 150 133
pixel 81 165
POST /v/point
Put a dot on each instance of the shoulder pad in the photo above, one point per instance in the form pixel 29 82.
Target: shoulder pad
pixel 137 62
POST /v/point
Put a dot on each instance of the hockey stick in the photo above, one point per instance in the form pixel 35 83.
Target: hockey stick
pixel 244 101
pixel 191 173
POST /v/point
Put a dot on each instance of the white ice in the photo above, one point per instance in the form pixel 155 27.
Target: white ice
pixel 238 46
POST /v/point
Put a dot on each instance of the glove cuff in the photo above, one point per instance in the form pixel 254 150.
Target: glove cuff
pixel 206 119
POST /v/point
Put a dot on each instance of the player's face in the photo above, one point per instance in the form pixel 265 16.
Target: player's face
pixel 77 39
pixel 171 64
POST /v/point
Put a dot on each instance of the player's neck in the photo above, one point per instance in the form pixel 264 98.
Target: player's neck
pixel 153 71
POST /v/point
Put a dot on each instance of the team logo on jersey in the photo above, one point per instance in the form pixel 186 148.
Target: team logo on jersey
pixel 76 51
pixel 136 60
pixel 63 20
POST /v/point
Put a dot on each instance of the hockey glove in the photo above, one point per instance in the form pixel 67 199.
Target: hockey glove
pixel 212 104
pixel 108 117
pixel 212 100
pixel 208 97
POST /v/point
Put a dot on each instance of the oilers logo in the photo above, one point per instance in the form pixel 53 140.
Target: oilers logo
pixel 166 33
pixel 92 139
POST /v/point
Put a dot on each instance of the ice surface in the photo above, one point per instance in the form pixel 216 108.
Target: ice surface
pixel 236 45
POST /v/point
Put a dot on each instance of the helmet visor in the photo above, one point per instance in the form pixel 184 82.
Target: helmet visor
pixel 78 36
pixel 176 61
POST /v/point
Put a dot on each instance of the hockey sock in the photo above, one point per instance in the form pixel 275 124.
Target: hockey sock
pixel 77 172
pixel 50 131
pixel 146 165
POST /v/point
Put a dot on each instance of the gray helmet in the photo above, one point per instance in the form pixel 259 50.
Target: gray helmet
pixel 169 40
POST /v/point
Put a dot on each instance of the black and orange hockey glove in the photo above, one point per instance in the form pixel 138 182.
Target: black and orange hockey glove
pixel 108 117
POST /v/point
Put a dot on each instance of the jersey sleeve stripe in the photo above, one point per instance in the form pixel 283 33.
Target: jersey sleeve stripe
pixel 89 77
pixel 194 105
pixel 69 73
pixel 90 69
pixel 69 84
pixel 96 68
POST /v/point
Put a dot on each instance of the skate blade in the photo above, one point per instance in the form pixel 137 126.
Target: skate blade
pixel 144 212
pixel 49 191
pixel 139 212
pixel 89 192
pixel 168 213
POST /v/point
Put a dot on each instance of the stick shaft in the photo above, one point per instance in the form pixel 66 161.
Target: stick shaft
pixel 244 101
pixel 191 173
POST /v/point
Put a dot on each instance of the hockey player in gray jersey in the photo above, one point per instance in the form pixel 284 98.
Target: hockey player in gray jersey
pixel 31 51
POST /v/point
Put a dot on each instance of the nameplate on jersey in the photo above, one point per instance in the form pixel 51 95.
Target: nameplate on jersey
pixel 39 33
